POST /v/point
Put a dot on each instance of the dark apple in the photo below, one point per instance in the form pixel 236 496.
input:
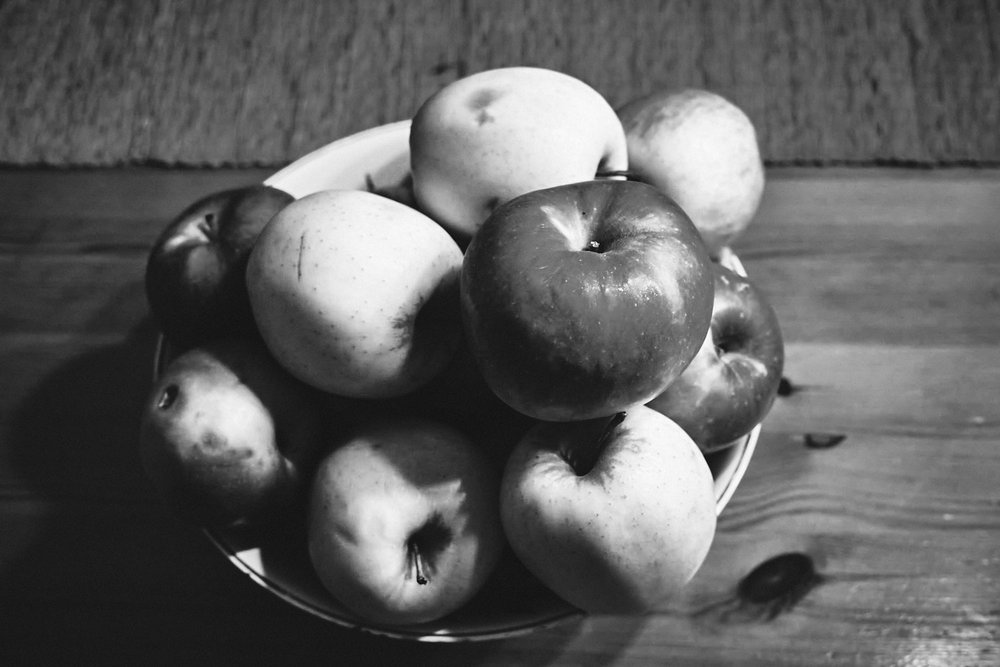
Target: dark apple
pixel 227 435
pixel 731 384
pixel 460 397
pixel 583 300
pixel 195 273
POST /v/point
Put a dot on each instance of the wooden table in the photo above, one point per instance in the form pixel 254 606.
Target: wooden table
pixel 887 283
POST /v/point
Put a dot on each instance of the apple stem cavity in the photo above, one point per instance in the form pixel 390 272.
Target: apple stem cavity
pixel 168 397
pixel 729 339
pixel 582 461
pixel 427 542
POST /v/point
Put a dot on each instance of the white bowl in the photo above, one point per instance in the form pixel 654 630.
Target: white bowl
pixel 513 602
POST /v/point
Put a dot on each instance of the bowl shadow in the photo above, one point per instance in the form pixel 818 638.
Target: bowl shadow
pixel 100 571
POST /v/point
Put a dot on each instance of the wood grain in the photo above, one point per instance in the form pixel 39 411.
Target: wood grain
pixel 886 286
pixel 261 82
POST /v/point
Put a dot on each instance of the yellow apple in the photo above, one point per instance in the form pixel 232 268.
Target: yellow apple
pixel 614 515
pixel 491 136
pixel 701 150
pixel 356 294
pixel 403 522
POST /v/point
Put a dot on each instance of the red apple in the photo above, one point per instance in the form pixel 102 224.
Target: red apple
pixel 195 271
pixel 227 435
pixel 731 384
pixel 586 299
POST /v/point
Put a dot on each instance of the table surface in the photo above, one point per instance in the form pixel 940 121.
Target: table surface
pixel 887 284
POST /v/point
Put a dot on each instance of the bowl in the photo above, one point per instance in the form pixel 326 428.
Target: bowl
pixel 513 602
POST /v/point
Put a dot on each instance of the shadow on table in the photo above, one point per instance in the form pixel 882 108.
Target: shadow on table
pixel 101 572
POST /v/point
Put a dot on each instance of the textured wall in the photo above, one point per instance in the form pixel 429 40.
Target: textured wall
pixel 260 82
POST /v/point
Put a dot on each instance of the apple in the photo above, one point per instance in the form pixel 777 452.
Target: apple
pixel 732 382
pixel 403 522
pixel 614 515
pixel 491 136
pixel 227 434
pixel 585 299
pixel 195 270
pixel 356 294
pixel 701 150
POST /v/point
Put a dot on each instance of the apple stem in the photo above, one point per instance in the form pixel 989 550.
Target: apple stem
pixel 609 427
pixel 417 561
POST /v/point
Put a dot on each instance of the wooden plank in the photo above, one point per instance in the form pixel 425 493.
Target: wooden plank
pixel 835 251
pixel 94 211
pixel 898 256
pixel 848 389
pixel 886 389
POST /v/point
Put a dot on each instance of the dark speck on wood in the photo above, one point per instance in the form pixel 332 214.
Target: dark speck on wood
pixel 823 440
pixel 772 587
pixel 786 388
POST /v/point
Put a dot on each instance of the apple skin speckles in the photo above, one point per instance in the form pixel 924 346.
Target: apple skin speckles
pixel 614 521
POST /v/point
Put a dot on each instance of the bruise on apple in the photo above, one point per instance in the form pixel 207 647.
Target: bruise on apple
pixel 227 435
pixel 479 103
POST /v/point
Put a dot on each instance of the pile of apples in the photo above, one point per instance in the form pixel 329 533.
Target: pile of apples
pixel 532 345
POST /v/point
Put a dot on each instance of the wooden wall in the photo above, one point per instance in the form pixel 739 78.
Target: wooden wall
pixel 260 82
